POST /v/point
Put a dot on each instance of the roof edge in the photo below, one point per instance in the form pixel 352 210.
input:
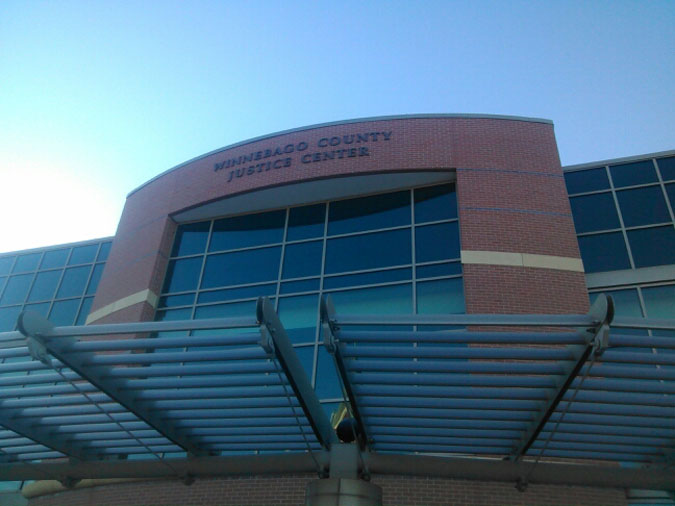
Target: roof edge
pixel 613 161
pixel 342 122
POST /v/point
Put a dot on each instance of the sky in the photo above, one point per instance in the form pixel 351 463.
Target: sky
pixel 97 97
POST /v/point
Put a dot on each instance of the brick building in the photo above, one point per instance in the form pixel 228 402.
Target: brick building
pixel 416 215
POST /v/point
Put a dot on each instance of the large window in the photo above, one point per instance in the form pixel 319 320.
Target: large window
pixel 623 214
pixel 389 253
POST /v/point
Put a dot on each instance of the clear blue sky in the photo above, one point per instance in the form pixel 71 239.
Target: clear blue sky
pixel 98 97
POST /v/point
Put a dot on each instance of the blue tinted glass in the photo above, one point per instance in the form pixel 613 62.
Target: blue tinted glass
pixel 437 242
pixel 84 311
pixel 103 252
pixel 174 314
pixel 670 190
pixel 643 206
pixel 248 230
pixel 435 203
pixel 667 167
pixel 44 285
pixel 3 279
pixel 306 222
pixel 95 278
pixel 74 281
pixel 368 251
pixel 660 301
pixel 396 299
pixel 191 239
pixel 42 308
pixel 307 285
pixel 367 213
pixel 16 289
pixel 306 356
pixel 177 300
pixel 302 259
pixel 83 254
pixel 183 275
pixel 445 269
pixel 628 174
pixel 594 212
pixel 6 264
pixel 327 382
pixel 439 297
pixel 25 263
pixel 652 246
pixel 604 252
pixel 64 311
pixel 626 302
pixel 245 292
pixel 586 180
pixel 299 316
pixel 56 258
pixel 368 278
pixel 242 267
pixel 8 317
pixel 226 310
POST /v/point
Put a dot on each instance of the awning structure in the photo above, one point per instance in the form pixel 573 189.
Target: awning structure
pixel 573 399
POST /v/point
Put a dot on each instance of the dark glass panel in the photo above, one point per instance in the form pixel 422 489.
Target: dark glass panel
pixel 439 297
pixel 64 311
pixel 306 356
pixel 667 167
pixel 307 285
pixel 55 258
pixel 248 230
pixel 435 203
pixel 177 300
pixel 41 308
pixel 604 252
pixel 629 174
pixel 660 303
pixel 445 269
pixel 330 408
pixel 84 310
pixel 83 254
pixel 306 222
pixel 586 180
pixel 368 251
pixel 74 282
pixel 437 242
pixel 299 315
pixel 45 285
pixel 594 212
pixel 302 260
pixel 643 206
pixel 626 302
pixel 191 239
pixel 95 278
pixel 16 289
pixel 367 213
pixel 253 266
pixel 6 264
pixel 245 292
pixel 3 279
pixel 103 252
pixel 652 246
pixel 8 317
pixel 670 190
pixel 25 263
pixel 327 382
pixel 183 275
pixel 226 310
pixel 368 278
pixel 174 314
pixel 392 299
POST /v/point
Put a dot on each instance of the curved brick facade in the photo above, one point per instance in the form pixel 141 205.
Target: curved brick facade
pixel 513 207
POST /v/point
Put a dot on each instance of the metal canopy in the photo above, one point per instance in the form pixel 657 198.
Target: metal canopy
pixel 567 387
pixel 233 387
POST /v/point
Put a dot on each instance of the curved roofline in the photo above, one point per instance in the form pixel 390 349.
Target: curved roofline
pixel 341 122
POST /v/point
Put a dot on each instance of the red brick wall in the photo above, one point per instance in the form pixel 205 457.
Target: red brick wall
pixel 290 490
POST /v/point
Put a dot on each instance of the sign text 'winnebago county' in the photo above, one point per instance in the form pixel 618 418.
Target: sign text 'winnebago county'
pixel 337 147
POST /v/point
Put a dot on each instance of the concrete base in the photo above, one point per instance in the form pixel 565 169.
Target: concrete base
pixel 342 492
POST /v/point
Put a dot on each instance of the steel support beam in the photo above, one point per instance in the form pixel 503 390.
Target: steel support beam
pixel 36 327
pixel 281 347
pixel 330 329
pixel 602 312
